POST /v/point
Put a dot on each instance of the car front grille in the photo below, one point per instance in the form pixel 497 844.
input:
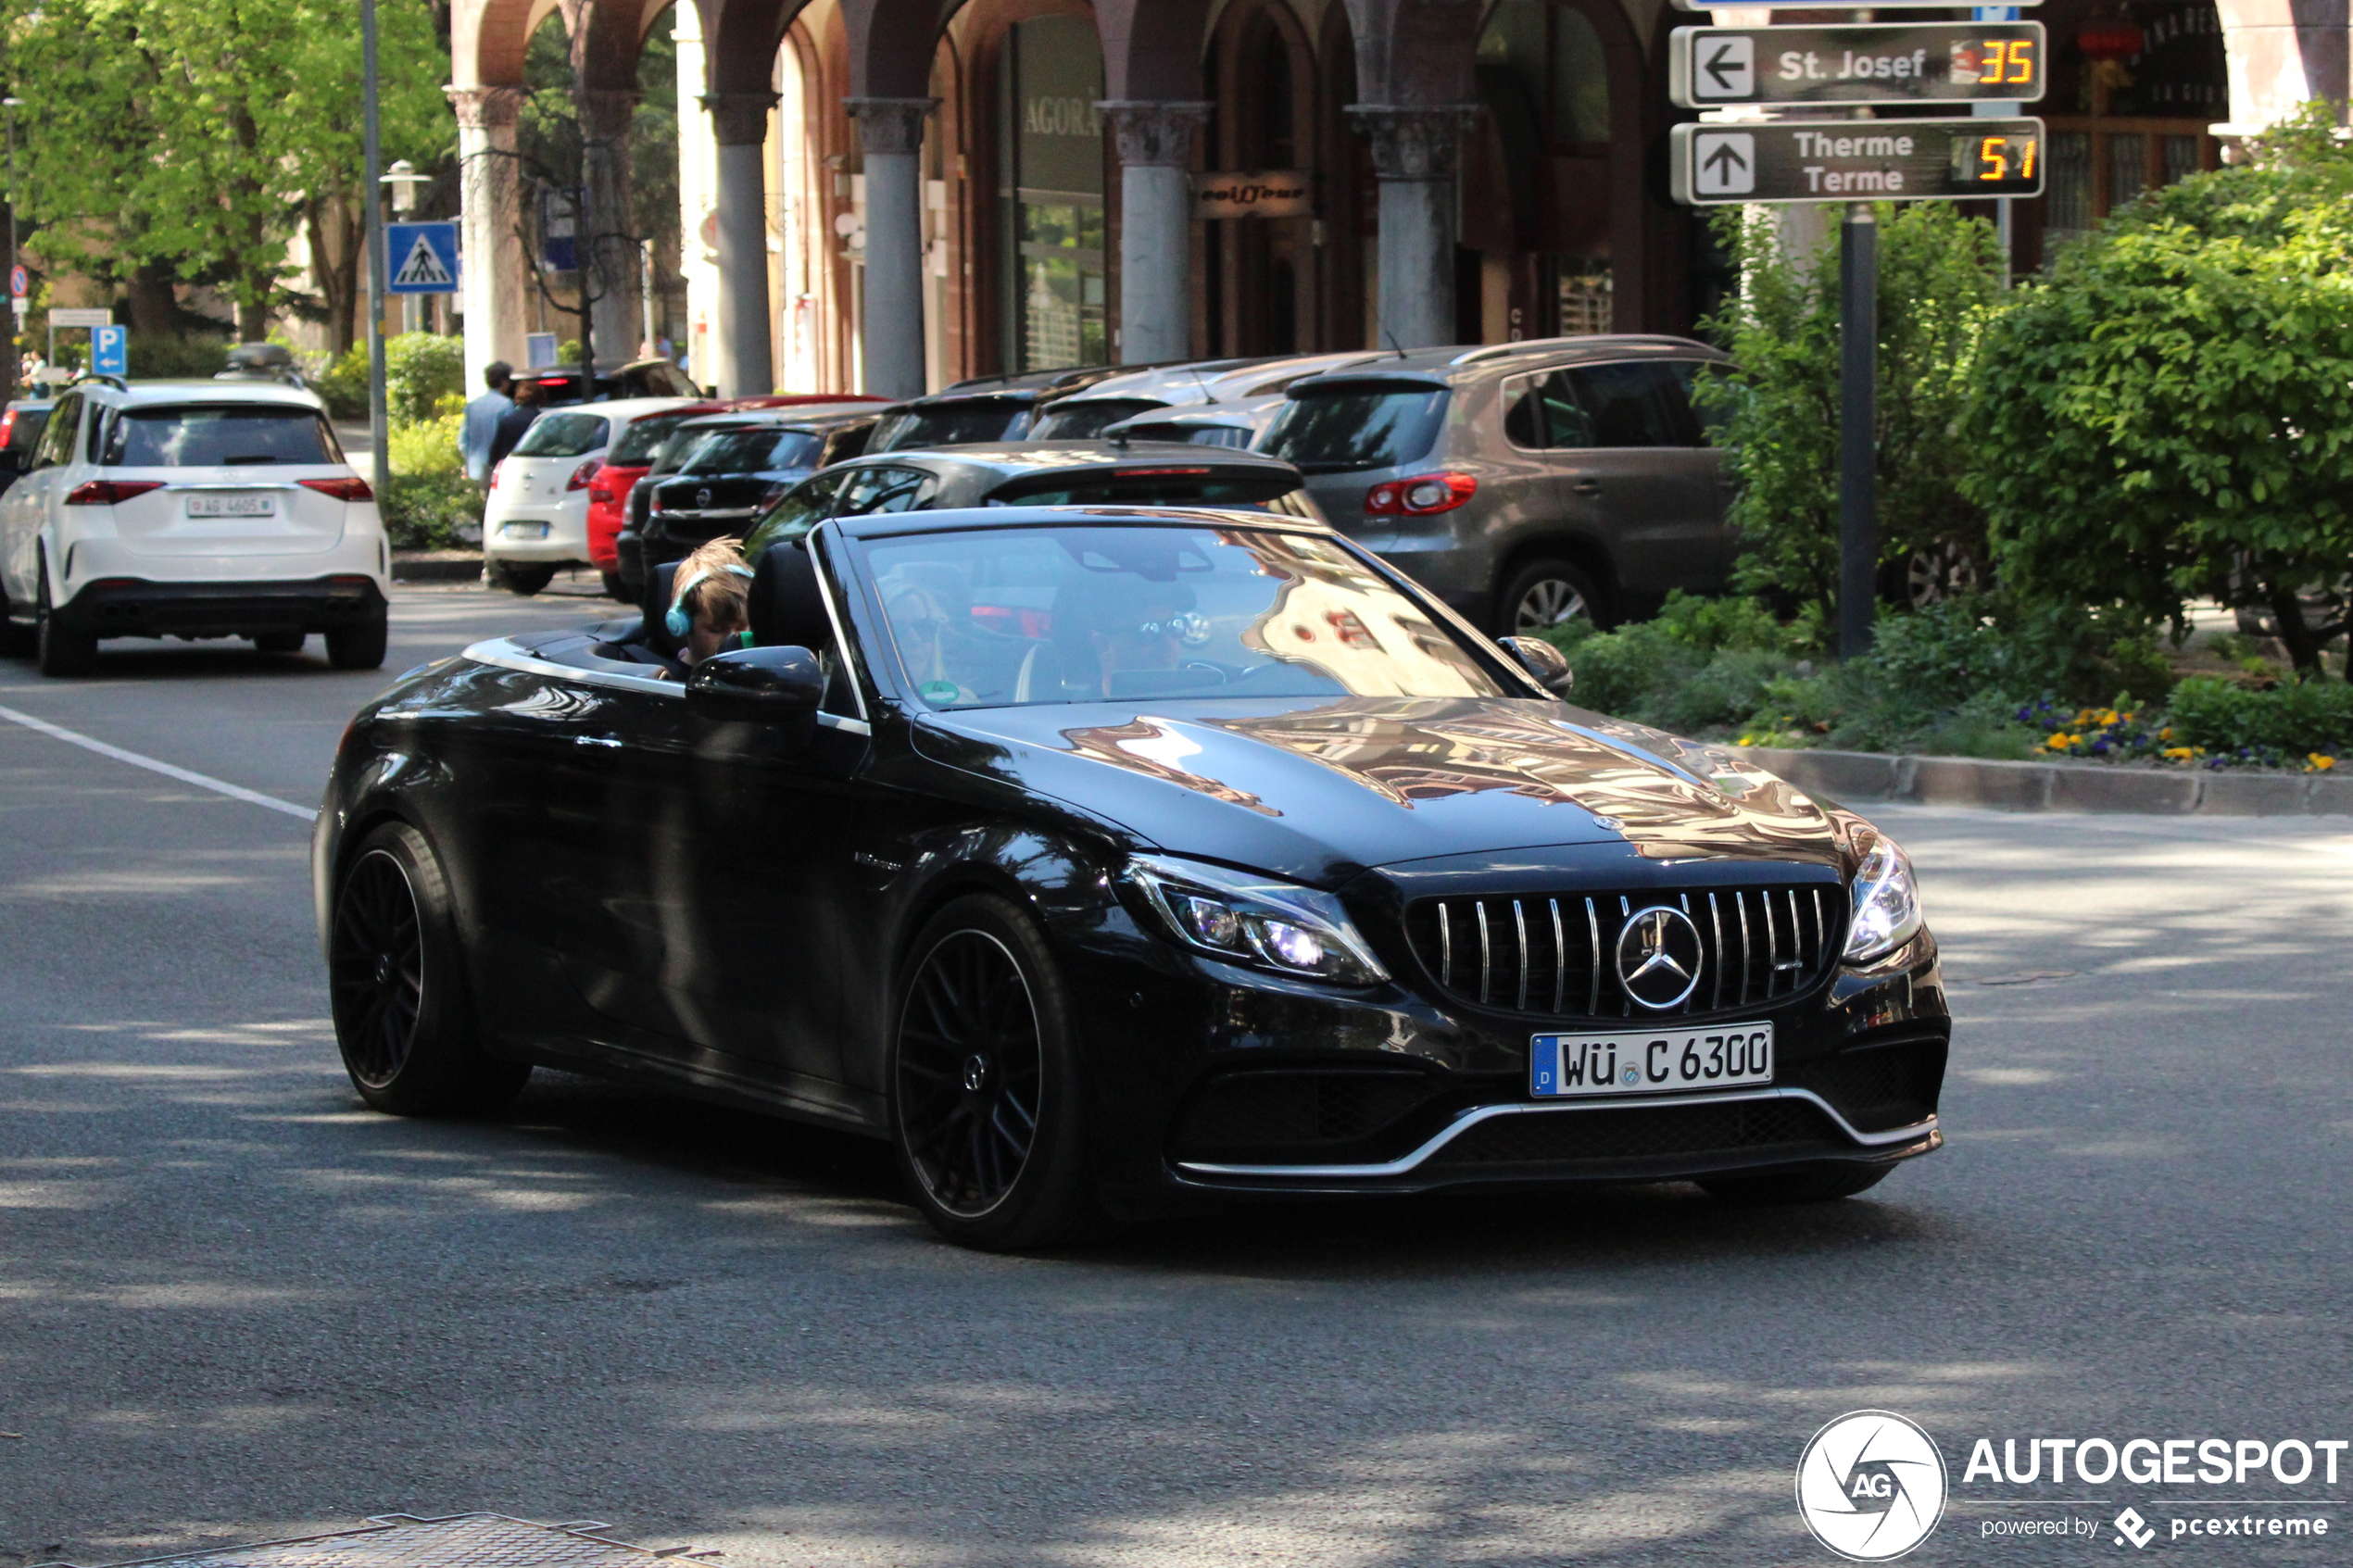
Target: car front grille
pixel 1877 1086
pixel 1634 1132
pixel 1292 1114
pixel 1555 954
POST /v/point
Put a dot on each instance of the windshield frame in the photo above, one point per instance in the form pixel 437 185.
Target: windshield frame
pixel 879 648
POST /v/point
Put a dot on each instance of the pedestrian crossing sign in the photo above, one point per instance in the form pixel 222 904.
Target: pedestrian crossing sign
pixel 423 257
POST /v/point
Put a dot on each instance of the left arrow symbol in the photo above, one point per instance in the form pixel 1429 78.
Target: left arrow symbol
pixel 1716 67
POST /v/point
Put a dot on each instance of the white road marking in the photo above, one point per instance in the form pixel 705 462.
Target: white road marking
pixel 202 781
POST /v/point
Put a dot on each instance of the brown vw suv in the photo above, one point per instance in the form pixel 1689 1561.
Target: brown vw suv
pixel 1525 483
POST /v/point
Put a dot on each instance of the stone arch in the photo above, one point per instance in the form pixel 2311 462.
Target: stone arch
pixel 1416 52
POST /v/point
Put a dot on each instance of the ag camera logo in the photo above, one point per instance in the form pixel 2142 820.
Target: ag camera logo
pixel 1870 1486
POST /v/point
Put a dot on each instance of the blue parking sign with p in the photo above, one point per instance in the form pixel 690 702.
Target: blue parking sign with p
pixel 110 350
pixel 423 257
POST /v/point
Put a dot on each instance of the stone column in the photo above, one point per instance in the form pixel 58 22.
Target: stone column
pixel 609 247
pixel 490 205
pixel 1156 142
pixel 1414 154
pixel 744 363
pixel 890 133
pixel 2280 55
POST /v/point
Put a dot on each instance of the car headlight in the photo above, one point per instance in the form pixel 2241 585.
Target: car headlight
pixel 1887 900
pixel 1253 919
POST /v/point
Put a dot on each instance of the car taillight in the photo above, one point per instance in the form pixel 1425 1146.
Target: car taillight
pixel 602 491
pixel 7 426
pixel 499 468
pixel 353 488
pixel 583 473
pixel 1420 495
pixel 108 492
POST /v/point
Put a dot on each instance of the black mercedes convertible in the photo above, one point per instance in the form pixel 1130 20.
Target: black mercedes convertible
pixel 1119 861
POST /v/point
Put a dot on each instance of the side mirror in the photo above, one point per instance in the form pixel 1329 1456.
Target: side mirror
pixel 1547 663
pixel 759 686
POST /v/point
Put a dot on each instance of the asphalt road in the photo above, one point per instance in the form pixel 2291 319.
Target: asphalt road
pixel 235 1306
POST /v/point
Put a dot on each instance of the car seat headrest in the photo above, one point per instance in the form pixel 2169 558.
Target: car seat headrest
pixel 787 607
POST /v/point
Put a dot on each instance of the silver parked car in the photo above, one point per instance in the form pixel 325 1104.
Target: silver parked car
pixel 1527 483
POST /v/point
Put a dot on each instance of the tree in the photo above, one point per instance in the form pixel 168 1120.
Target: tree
pixel 1938 281
pixel 2170 415
pixel 194 136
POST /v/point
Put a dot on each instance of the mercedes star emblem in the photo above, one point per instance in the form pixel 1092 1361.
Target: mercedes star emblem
pixel 702 496
pixel 1659 956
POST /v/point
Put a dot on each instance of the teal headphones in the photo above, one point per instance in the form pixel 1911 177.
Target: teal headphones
pixel 678 620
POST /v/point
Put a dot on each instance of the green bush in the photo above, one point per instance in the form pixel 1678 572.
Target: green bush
pixel 420 369
pixel 1938 281
pixel 428 446
pixel 1702 664
pixel 432 511
pixel 2286 724
pixel 2170 415
pixel 175 356
pixel 343 385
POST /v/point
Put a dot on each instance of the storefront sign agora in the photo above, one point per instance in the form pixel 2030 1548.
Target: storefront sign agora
pixel 1850 161
pixel 1898 63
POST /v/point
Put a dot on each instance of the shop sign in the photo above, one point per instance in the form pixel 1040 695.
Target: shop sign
pixel 1258 193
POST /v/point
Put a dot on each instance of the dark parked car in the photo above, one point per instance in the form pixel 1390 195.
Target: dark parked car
pixel 1036 473
pixel 1116 862
pixel 20 426
pixel 989 408
pixel 713 448
pixel 1527 483
pixel 640 378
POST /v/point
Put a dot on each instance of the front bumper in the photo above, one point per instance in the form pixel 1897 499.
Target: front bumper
pixel 132 607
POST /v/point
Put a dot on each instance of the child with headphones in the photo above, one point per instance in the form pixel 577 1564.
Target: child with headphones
pixel 710 606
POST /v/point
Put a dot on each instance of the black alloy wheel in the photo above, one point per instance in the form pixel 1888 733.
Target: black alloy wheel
pixel 1939 573
pixel 1546 594
pixel 985 1111
pixel 60 649
pixel 396 987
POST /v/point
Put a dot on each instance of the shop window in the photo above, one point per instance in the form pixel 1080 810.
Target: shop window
pixel 1056 309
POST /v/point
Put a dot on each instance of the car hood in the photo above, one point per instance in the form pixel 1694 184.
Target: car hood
pixel 1319 793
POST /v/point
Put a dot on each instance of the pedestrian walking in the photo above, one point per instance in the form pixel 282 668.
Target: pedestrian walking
pixel 514 421
pixel 478 433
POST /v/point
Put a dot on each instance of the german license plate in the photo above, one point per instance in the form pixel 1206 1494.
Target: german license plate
pixel 1578 1066
pixel 232 505
pixel 523 530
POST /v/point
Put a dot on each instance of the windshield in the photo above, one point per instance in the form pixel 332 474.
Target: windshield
pixel 1012 616
pixel 958 423
pixel 753 451
pixel 1084 419
pixel 219 437
pixel 564 435
pixel 1348 428
pixel 644 437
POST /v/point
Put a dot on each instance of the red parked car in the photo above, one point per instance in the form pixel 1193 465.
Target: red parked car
pixel 633 455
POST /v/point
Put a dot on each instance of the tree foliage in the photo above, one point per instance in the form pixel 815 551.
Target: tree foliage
pixel 1938 279
pixel 2170 415
pixel 189 134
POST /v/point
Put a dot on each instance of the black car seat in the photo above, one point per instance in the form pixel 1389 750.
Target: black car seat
pixel 651 642
pixel 787 610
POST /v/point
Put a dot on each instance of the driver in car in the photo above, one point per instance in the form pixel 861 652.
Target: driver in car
pixel 1142 626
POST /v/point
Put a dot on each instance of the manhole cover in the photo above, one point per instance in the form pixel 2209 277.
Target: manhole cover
pixel 403 1540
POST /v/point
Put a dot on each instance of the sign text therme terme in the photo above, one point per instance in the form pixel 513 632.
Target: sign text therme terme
pixel 1751 148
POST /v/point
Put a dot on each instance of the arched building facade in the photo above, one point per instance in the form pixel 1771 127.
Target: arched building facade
pixel 889 194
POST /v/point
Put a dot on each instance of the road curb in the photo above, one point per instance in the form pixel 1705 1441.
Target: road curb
pixel 2060 786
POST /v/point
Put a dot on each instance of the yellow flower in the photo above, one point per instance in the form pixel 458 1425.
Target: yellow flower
pixel 2107 717
pixel 2061 742
pixel 2165 733
pixel 2320 762
pixel 2179 753
pixel 1747 740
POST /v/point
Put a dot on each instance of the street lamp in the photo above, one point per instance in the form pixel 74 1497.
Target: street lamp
pixel 17 302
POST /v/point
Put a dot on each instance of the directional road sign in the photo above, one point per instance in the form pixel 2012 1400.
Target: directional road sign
pixel 1847 160
pixel 1895 63
pixel 110 350
pixel 1816 5
pixel 423 257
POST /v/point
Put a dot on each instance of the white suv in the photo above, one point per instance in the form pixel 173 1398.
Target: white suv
pixel 191 509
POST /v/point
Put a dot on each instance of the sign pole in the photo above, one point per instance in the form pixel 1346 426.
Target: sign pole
pixel 1858 460
pixel 378 422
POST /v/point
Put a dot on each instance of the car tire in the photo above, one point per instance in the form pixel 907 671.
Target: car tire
pixel 525 581
pixel 396 987
pixel 1545 594
pixel 17 639
pixel 279 641
pixel 1820 1184
pixel 986 1097
pixel 359 647
pixel 60 649
pixel 615 589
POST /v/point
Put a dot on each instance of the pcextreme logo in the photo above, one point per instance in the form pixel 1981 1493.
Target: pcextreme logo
pixel 1870 1486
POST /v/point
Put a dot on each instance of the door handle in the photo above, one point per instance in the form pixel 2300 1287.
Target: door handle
pixel 1587 487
